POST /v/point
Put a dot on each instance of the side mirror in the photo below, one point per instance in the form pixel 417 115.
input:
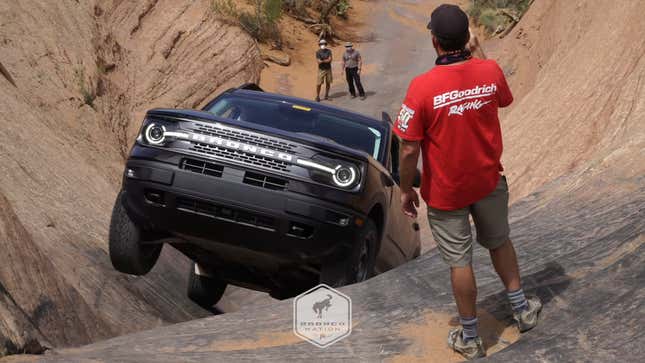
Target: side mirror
pixel 417 179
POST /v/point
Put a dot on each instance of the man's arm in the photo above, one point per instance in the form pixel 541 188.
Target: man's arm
pixel 409 155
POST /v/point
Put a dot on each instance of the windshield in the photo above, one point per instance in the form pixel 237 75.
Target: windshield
pixel 300 119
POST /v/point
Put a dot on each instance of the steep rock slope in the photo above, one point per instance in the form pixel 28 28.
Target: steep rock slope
pixel 578 78
pixel 77 78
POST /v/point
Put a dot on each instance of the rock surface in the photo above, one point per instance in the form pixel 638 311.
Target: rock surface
pixel 578 81
pixel 577 132
pixel 277 57
pixel 85 73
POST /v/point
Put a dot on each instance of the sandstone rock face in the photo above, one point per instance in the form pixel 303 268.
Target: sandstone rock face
pixel 85 73
pixel 576 68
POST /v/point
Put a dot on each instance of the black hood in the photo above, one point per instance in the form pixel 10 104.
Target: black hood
pixel 308 139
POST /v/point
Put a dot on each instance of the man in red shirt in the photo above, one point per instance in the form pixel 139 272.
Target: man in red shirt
pixel 450 115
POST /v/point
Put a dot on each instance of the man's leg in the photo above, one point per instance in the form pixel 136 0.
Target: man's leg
pixel 350 81
pixel 329 79
pixel 505 262
pixel 359 85
pixel 464 288
pixel 491 220
pixel 319 81
pixel 451 230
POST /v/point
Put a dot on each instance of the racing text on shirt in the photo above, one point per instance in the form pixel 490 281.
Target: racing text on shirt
pixel 457 96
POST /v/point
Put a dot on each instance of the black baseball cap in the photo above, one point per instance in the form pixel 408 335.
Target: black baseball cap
pixel 448 22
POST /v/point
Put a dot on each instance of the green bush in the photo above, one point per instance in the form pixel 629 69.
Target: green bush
pixel 490 13
pixel 342 8
pixel 491 20
pixel 226 9
pixel 272 10
pixel 87 93
pixel 261 23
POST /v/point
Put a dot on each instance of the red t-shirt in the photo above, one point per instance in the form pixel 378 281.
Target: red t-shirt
pixel 452 110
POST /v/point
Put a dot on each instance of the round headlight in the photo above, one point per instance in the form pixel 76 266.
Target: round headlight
pixel 155 134
pixel 345 176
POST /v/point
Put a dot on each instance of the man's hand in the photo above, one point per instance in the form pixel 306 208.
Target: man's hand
pixel 409 202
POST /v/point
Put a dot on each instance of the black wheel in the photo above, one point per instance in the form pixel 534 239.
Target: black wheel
pixel 205 291
pixel 358 265
pixel 127 254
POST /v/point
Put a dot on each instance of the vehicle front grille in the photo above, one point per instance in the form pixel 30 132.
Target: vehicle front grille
pixel 223 213
pixel 202 167
pixel 240 156
pixel 264 181
pixel 245 137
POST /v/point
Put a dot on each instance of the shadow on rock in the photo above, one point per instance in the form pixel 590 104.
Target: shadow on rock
pixel 547 283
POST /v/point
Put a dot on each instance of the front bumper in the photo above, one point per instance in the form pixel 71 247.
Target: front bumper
pixel 233 220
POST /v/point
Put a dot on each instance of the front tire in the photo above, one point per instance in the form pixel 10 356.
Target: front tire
pixel 127 253
pixel 205 291
pixel 359 265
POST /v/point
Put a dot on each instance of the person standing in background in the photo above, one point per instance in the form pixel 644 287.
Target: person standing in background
pixel 352 64
pixel 324 58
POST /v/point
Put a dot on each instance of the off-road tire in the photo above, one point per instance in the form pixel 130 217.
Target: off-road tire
pixel 358 265
pixel 205 291
pixel 127 253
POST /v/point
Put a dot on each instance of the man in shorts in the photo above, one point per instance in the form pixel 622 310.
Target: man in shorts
pixel 324 58
pixel 450 115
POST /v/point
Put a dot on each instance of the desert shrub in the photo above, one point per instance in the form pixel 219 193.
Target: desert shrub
pixel 87 93
pixel 497 15
pixel 342 8
pixel 491 20
pixel 226 9
pixel 261 22
pixel 272 10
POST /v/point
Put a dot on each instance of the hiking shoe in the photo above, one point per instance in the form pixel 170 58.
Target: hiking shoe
pixel 528 319
pixel 326 98
pixel 472 349
pixel 317 99
pixel 363 98
pixel 352 96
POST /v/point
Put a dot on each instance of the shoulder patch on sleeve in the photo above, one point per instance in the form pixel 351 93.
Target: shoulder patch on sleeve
pixel 405 115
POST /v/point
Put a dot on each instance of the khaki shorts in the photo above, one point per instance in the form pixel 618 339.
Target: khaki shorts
pixel 325 75
pixel 451 229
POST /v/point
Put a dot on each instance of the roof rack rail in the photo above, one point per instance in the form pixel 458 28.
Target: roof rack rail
pixel 251 87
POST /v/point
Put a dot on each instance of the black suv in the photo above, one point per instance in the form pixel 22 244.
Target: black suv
pixel 263 191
